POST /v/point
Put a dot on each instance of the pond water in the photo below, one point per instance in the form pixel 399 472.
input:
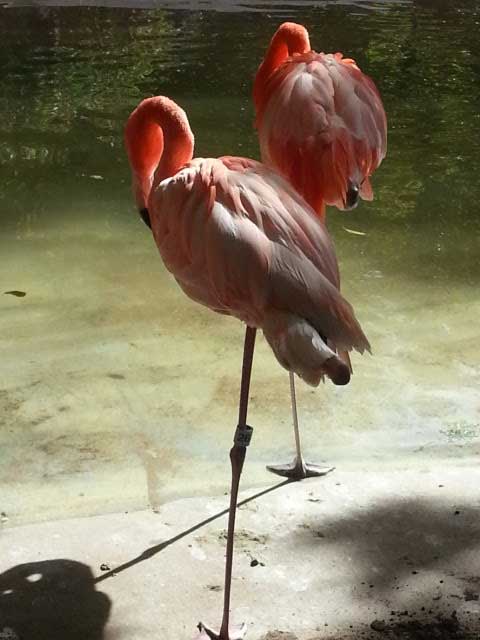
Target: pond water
pixel 116 391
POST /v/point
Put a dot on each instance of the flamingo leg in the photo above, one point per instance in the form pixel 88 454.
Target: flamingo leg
pixel 298 469
pixel 241 441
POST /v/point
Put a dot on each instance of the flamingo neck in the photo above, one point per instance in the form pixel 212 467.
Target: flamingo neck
pixel 289 39
pixel 159 142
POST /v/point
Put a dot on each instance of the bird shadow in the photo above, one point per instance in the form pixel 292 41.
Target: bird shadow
pixel 152 551
pixel 51 600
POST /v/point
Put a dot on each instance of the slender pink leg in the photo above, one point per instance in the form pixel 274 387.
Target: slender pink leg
pixel 241 441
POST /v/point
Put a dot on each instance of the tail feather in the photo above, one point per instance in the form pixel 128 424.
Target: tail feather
pixel 345 356
pixel 299 348
pixel 299 288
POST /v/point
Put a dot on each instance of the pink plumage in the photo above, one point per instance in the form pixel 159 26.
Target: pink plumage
pixel 241 241
pixel 320 120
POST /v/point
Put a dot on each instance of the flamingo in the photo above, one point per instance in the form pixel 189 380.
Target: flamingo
pixel 322 125
pixel 240 240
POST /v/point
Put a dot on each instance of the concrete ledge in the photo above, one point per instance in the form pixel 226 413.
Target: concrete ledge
pixel 353 555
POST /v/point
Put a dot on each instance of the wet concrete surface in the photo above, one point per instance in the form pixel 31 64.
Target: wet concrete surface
pixel 112 378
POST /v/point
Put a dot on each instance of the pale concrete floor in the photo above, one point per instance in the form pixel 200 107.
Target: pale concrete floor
pixel 320 559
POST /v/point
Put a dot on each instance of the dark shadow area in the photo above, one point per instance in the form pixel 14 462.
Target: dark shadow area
pixel 400 627
pixel 151 551
pixel 51 600
pixel 390 545
pixel 391 541
pixel 415 628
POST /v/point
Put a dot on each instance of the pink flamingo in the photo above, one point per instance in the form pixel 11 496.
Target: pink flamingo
pixel 240 240
pixel 322 125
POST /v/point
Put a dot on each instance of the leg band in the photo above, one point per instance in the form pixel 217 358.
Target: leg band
pixel 243 435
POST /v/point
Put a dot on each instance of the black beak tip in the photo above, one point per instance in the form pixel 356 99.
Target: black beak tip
pixel 352 197
pixel 146 217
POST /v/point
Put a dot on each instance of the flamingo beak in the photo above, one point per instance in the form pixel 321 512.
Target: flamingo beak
pixel 145 217
pixel 353 195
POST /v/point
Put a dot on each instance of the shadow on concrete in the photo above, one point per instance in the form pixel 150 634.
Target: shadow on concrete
pixel 51 600
pixel 417 628
pixel 151 551
pixel 388 542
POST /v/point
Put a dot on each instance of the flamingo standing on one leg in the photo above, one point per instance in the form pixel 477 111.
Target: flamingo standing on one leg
pixel 322 125
pixel 241 241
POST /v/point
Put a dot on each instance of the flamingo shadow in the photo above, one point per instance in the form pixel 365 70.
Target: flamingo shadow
pixel 51 600
pixel 152 551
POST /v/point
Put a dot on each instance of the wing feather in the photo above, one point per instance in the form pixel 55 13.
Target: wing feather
pixel 239 239
pixel 322 125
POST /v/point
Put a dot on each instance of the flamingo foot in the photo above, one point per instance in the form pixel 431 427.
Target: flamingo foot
pixel 235 633
pixel 299 470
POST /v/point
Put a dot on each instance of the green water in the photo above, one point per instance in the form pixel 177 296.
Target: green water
pixel 115 390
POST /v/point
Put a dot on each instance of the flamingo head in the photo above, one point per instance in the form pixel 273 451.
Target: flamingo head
pixel 159 142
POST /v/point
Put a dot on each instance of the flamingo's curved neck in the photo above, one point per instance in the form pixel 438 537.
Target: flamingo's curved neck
pixel 159 142
pixel 289 39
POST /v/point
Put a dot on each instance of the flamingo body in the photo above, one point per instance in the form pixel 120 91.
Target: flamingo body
pixel 241 241
pixel 320 120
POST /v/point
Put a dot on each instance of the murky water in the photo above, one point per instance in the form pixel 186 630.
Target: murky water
pixel 116 391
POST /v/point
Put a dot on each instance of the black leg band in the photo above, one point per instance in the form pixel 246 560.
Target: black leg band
pixel 243 435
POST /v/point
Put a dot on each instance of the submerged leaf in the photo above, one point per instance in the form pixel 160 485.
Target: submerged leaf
pixel 355 233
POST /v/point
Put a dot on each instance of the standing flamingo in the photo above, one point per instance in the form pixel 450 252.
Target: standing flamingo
pixel 322 125
pixel 241 241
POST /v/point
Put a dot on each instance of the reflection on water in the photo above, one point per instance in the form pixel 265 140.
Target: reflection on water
pixel 112 378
